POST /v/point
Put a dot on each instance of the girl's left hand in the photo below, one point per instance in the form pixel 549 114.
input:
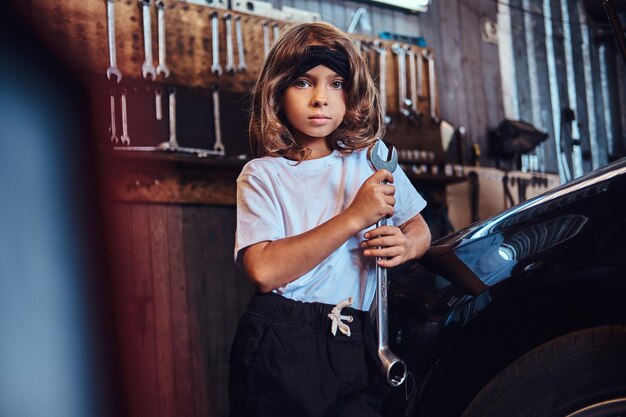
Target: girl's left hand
pixel 387 242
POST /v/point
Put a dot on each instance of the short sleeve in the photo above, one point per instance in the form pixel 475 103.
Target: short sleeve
pixel 408 201
pixel 258 215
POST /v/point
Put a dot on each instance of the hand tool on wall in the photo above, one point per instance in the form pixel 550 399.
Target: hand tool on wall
pixel 241 66
pixel 393 368
pixel 148 68
pixel 158 104
pixel 276 29
pixel 218 146
pixel 412 79
pixel 400 53
pixel 114 138
pixel 216 68
pixel 173 143
pixel 420 74
pixel 112 70
pixel 230 56
pixel 432 93
pixel 125 138
pixel 162 67
pixel 266 38
pixel 382 78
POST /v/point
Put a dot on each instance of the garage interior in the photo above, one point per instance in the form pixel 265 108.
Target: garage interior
pixel 488 102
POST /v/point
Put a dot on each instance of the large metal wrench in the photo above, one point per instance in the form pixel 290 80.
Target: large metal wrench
pixel 162 67
pixel 240 49
pixel 216 68
pixel 230 55
pixel 392 367
pixel 382 78
pixel 147 69
pixel 112 70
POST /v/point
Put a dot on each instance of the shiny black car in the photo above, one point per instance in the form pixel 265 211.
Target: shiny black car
pixel 522 314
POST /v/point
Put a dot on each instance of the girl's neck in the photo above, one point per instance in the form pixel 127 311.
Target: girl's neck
pixel 314 150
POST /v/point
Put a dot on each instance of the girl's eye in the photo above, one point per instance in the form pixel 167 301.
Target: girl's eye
pixel 301 83
pixel 337 84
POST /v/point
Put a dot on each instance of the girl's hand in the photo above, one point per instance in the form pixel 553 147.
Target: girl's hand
pixel 373 201
pixel 387 242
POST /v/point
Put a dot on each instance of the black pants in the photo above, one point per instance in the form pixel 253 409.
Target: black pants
pixel 285 362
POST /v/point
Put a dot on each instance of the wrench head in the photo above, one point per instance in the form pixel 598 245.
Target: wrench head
pixel 114 71
pixel 379 163
pixel 163 69
pixel 147 69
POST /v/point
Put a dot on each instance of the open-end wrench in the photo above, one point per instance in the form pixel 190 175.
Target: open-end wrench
pixel 392 367
pixel 158 104
pixel 114 138
pixel 432 93
pixel 240 50
pixel 218 146
pixel 266 37
pixel 400 52
pixel 216 68
pixel 230 56
pixel 112 70
pixel 420 77
pixel 173 143
pixel 125 138
pixel 147 68
pixel 412 80
pixel 276 29
pixel 162 67
pixel 382 78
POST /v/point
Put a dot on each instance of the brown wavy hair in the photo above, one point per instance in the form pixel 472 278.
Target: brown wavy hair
pixel 270 133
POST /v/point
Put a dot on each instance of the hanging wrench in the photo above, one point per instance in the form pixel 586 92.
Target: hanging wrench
pixel 125 138
pixel 412 80
pixel 420 77
pixel 276 29
pixel 112 70
pixel 230 56
pixel 158 104
pixel 162 67
pixel 114 138
pixel 392 367
pixel 219 146
pixel 399 51
pixel 216 68
pixel 173 143
pixel 266 37
pixel 240 50
pixel 148 68
pixel 432 94
pixel 382 78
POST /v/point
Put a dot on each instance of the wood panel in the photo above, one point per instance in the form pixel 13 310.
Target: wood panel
pixel 180 298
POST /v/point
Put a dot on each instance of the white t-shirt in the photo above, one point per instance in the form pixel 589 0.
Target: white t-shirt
pixel 278 198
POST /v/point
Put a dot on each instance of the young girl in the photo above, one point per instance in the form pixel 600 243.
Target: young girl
pixel 305 211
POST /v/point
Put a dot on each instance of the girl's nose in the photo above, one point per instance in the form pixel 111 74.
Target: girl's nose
pixel 319 99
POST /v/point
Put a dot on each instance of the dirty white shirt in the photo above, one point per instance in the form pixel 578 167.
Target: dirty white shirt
pixel 278 198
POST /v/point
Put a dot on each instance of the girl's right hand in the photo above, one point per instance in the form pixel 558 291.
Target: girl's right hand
pixel 374 200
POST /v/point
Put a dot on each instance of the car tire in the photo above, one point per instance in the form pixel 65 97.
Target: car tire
pixel 577 374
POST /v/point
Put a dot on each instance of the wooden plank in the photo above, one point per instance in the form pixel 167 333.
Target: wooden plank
pixel 120 245
pixel 145 311
pixel 202 311
pixel 180 314
pixel 449 66
pixel 518 29
pixel 582 108
pixel 163 310
pixel 491 80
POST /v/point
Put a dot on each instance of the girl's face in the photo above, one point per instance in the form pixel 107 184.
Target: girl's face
pixel 315 104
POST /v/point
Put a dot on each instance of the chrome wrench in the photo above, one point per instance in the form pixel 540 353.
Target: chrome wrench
pixel 276 29
pixel 125 138
pixel 114 138
pixel 432 94
pixel 112 70
pixel 412 80
pixel 230 56
pixel 173 143
pixel 216 68
pixel 382 85
pixel 399 51
pixel 218 146
pixel 162 67
pixel 266 37
pixel 147 68
pixel 240 50
pixel 392 367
